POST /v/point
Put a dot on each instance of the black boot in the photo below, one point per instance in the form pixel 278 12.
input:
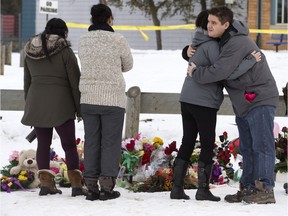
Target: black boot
pixel 107 185
pixel 179 172
pixel 203 192
pixel 93 189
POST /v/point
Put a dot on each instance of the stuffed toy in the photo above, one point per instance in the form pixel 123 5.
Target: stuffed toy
pixel 27 162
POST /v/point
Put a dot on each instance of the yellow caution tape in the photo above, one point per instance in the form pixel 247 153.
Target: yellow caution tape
pixel 171 27
pixel 269 31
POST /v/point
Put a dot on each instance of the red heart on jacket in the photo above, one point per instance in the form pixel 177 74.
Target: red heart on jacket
pixel 249 97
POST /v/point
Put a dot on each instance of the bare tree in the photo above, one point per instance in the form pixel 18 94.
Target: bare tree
pixel 103 2
pixel 158 10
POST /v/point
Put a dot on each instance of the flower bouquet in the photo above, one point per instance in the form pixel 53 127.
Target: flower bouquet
pixel 281 151
pixel 15 182
pixel 137 154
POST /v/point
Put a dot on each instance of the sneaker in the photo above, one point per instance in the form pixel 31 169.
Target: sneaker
pixel 238 197
pixel 262 195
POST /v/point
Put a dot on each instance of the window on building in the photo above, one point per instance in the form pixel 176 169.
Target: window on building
pixel 281 11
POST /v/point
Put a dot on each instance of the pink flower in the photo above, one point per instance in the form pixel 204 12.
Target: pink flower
pixel 148 147
pixel 138 137
pixel 54 169
pixel 14 156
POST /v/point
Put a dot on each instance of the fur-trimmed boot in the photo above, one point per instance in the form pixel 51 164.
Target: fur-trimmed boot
pixel 93 188
pixel 179 172
pixel 107 185
pixel 75 178
pixel 203 192
pixel 47 183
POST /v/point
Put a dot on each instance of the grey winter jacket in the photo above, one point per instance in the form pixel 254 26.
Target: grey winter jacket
pixel 235 45
pixel 209 94
pixel 51 87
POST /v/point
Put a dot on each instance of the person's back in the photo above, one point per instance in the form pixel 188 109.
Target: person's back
pixel 210 94
pixel 104 55
pixel 48 81
pixel 52 101
pixel 207 95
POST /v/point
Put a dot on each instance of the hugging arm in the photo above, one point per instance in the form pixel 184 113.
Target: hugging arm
pixel 246 64
pixel 229 59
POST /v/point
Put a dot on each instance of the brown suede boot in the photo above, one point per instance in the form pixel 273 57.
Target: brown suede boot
pixel 75 178
pixel 47 183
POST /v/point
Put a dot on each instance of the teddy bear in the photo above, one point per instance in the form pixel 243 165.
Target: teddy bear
pixel 27 161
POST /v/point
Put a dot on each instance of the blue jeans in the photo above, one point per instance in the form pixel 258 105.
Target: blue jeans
pixel 257 146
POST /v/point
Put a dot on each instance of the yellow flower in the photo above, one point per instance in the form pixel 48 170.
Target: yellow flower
pixel 10 184
pixel 63 166
pixel 141 153
pixel 22 178
pixel 158 140
pixel 167 185
pixel 3 178
pixel 23 172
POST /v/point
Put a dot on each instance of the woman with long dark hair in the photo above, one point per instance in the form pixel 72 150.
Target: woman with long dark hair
pixel 52 101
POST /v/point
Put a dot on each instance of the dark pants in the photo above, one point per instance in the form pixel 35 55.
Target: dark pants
pixel 66 133
pixel 202 120
pixel 103 127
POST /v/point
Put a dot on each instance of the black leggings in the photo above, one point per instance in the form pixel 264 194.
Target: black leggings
pixel 66 133
pixel 202 120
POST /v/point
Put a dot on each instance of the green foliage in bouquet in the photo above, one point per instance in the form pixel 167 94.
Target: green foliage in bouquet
pixel 281 151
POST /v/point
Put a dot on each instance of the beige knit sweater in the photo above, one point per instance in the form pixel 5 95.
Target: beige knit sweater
pixel 104 56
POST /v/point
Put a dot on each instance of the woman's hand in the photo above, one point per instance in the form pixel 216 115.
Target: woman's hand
pixel 190 51
pixel 256 55
pixel 190 69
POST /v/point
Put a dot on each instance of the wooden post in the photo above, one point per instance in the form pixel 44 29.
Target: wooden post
pixel 8 54
pixel 2 59
pixel 133 111
pixel 22 56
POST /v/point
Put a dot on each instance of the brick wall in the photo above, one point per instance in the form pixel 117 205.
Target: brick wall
pixel 266 23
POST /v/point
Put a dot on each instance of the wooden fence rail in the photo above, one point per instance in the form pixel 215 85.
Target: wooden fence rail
pixel 137 102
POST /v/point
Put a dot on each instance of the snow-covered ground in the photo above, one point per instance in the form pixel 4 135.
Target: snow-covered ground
pixel 154 71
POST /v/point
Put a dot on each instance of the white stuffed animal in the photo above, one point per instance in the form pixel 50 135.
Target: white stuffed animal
pixel 27 161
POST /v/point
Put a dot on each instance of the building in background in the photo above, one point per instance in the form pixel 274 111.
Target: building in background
pixel 259 14
pixel 267 14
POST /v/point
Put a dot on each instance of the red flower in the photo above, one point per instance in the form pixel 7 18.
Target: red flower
pixel 146 158
pixel 81 166
pixel 78 140
pixel 225 134
pixel 130 146
pixel 171 147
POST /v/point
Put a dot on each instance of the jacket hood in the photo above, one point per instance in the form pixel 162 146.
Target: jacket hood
pixel 33 48
pixel 200 37
pixel 237 28
pixel 240 28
